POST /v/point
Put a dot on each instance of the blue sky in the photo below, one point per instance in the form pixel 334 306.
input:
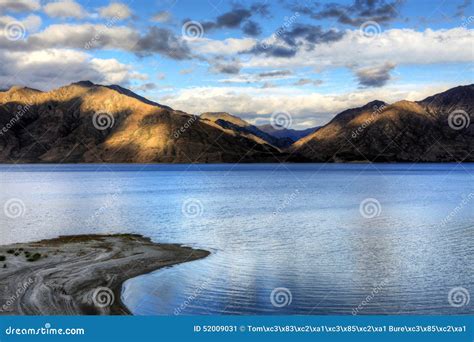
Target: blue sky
pixel 250 58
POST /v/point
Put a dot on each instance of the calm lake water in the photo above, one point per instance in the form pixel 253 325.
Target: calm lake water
pixel 285 239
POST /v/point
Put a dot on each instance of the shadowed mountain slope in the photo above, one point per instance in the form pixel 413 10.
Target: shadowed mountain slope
pixel 436 129
pixel 84 122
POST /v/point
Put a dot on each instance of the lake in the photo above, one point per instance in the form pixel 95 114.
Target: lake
pixel 285 238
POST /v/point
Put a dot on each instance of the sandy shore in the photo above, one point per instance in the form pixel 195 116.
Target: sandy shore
pixel 79 275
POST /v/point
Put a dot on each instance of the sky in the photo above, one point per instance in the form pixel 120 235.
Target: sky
pixel 310 59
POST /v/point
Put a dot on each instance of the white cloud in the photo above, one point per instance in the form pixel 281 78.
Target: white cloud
pixel 399 46
pixel 162 17
pixel 65 9
pixel 114 72
pixel 31 23
pixel 51 68
pixel 307 108
pixel 19 5
pixel 85 35
pixel 115 10
pixel 229 46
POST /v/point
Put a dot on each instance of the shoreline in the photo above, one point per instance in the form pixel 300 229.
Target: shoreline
pixel 80 274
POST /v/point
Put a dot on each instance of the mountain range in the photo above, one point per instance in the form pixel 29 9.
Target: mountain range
pixel 89 123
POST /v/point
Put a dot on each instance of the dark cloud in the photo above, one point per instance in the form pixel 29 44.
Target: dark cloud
pixel 268 85
pixel 275 73
pixel 238 17
pixel 232 67
pixel 374 77
pixel 292 39
pixel 272 50
pixel 233 18
pixel 355 14
pixel 251 28
pixel 262 8
pixel 162 41
pixel 306 81
pixel 19 6
pixel 311 34
pixel 146 86
pixel 461 8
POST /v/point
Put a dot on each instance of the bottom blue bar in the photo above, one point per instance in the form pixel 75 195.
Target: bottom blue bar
pixel 237 328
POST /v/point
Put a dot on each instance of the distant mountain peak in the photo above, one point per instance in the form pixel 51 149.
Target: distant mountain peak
pixel 236 124
pixel 18 88
pixel 376 103
pixel 279 131
pixel 85 84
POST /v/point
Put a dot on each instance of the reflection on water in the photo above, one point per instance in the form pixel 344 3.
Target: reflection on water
pixel 294 228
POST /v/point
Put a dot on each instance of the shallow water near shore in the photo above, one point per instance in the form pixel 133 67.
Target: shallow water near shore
pixel 285 239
